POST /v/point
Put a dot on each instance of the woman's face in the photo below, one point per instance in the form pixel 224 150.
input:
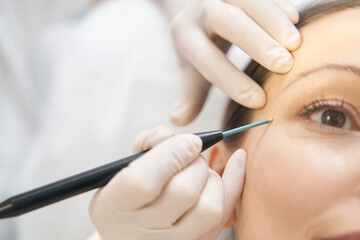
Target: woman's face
pixel 303 170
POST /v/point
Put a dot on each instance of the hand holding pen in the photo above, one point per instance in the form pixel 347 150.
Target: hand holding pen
pixel 150 186
pixel 94 178
pixel 168 193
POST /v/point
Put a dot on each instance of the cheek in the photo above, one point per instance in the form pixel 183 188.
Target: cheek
pixel 296 179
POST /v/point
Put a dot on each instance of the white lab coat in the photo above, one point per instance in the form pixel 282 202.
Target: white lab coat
pixel 77 83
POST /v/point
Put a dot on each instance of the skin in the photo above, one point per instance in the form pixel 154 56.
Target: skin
pixel 303 176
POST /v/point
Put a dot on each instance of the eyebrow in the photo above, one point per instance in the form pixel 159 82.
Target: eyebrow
pixel 338 67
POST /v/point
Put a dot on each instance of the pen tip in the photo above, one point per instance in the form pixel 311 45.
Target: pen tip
pixel 270 120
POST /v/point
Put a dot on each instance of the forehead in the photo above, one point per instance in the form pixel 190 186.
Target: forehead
pixel 332 39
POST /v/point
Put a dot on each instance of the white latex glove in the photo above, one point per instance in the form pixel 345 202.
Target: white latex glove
pixel 169 193
pixel 202 32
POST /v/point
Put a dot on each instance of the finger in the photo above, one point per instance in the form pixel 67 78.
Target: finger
pixel 191 98
pixel 143 180
pixel 233 180
pixel 216 68
pixel 271 18
pixel 182 191
pixel 208 211
pixel 289 9
pixel 94 236
pixel 236 26
pixel 150 138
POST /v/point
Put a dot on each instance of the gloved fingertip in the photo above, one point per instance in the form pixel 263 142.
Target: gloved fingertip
pixel 178 117
pixel 177 112
pixel 197 142
pixel 283 62
pixel 293 14
pixel 290 10
pixel 254 99
pixel 184 148
pixel 257 99
pixel 234 173
pixel 94 236
pixel 236 163
pixel 181 113
pixel 293 40
pixel 240 156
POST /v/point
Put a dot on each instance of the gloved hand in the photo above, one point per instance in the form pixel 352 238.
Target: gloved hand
pixel 203 30
pixel 169 193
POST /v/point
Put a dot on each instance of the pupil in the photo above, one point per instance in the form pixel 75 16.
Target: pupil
pixel 333 118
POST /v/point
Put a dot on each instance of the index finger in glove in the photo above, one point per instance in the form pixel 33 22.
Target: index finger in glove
pixel 272 18
pixel 216 68
pixel 143 180
pixel 235 25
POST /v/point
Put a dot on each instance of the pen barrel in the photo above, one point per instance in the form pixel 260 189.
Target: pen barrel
pixel 210 138
pixel 80 183
pixel 65 188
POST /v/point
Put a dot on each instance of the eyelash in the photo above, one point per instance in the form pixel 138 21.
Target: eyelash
pixel 337 105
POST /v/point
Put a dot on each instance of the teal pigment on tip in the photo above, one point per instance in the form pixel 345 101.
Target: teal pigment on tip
pixel 246 127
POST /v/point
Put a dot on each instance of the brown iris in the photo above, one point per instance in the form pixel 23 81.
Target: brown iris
pixel 333 118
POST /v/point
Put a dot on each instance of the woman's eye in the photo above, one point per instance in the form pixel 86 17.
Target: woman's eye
pixel 332 118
